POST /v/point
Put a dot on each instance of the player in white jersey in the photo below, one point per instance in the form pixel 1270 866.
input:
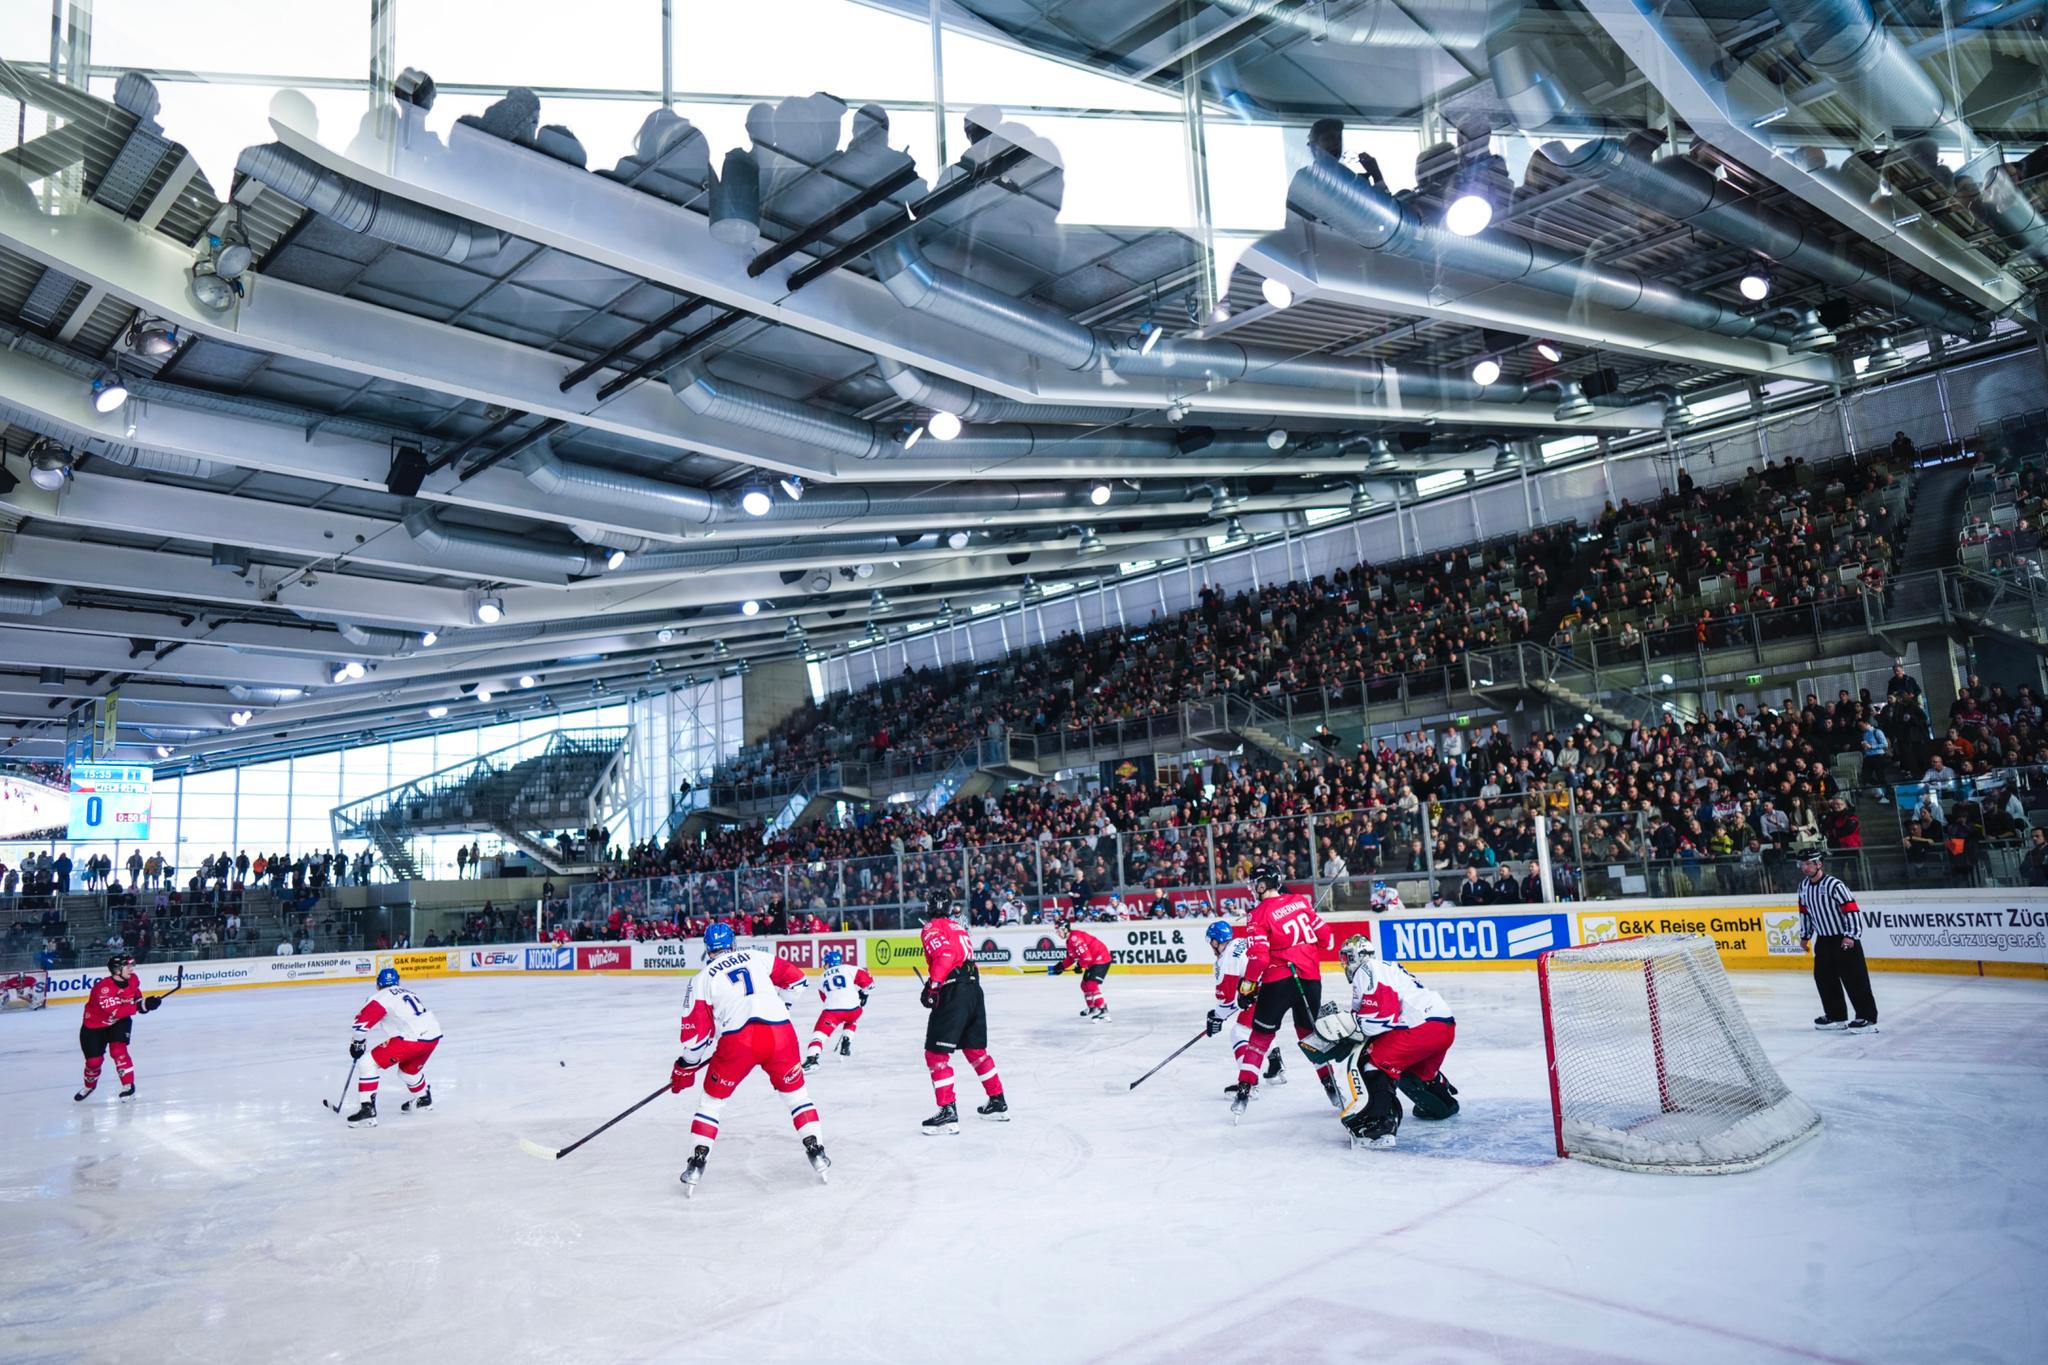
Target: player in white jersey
pixel 1231 951
pixel 1384 898
pixel 843 991
pixel 1395 1035
pixel 411 1033
pixel 735 1018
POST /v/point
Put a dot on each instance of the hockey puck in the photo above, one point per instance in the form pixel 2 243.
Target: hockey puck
pixel 561 1064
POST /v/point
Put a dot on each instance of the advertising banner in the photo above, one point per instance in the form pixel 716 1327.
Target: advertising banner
pixel 668 955
pixel 506 959
pixel 415 965
pixel 895 953
pixel 111 800
pixel 1748 937
pixel 604 957
pixel 1471 939
pixel 550 957
pixel 809 952
pixel 1989 933
pixel 342 967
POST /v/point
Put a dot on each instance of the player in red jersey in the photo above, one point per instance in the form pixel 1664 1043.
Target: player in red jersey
pixel 1283 975
pixel 109 1015
pixel 844 994
pixel 1090 956
pixel 959 1022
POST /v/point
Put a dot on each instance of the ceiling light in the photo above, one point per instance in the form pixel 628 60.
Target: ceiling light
pixel 1361 501
pixel 1151 332
pixel 1276 439
pixel 108 392
pixel 1755 286
pixel 754 500
pixel 665 634
pixel 527 681
pixel 792 486
pixel 428 637
pixel 1586 716
pixel 231 260
pixel 353 669
pixel 718 648
pixel 490 610
pixel 916 435
pixel 436 712
pixel 152 336
pixel 163 751
pixel 944 426
pixel 1811 334
pixel 1885 356
pixel 957 540
pixel 483 693
pixel 1278 292
pixel 49 465
pixel 1485 371
pixel 1098 493
pixel 1572 403
pixel 1664 678
pixel 1233 530
pixel 1382 456
pixel 1468 214
pixel 1677 416
pixel 212 292
pixel 750 608
pixel 793 632
pixel 240 718
pixel 1550 351
pixel 615 559
pixel 863 571
pixel 1507 461
pixel 1091 543
pixel 878 603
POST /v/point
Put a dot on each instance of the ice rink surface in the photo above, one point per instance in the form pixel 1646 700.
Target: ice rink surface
pixel 224 1215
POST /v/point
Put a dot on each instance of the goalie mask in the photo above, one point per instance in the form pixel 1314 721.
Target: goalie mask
pixel 1357 952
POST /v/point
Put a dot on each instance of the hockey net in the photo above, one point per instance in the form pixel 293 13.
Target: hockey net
pixel 25 989
pixel 1653 1066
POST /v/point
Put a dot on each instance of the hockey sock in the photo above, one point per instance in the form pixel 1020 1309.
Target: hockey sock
pixel 92 1072
pixel 803 1115
pixel 817 1044
pixel 704 1123
pixel 1253 1059
pixel 941 1067
pixel 984 1067
pixel 124 1066
pixel 367 1078
pixel 1092 993
pixel 416 1082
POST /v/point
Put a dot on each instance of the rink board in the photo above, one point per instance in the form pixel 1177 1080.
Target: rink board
pixel 1994 933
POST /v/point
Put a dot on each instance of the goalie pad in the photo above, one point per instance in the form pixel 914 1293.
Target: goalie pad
pixel 1335 1037
pixel 1373 1111
pixel 1431 1099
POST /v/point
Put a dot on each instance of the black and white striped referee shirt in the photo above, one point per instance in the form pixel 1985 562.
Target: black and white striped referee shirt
pixel 1827 910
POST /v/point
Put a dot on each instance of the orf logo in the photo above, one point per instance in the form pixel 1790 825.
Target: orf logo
pixel 1045 951
pixel 603 959
pixel 991 951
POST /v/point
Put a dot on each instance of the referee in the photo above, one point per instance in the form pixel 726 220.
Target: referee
pixel 1828 928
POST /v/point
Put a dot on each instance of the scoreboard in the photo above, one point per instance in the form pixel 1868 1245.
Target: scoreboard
pixel 111 800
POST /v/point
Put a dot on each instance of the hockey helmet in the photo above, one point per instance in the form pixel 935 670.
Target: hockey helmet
pixel 938 905
pixel 1379 885
pixel 387 978
pixel 1356 952
pixel 834 958
pixel 118 961
pixel 1219 933
pixel 717 936
pixel 1265 877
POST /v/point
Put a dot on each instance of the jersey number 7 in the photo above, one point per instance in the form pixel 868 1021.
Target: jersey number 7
pixel 744 977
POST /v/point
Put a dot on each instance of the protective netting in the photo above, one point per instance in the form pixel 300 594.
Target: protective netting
pixel 1653 1065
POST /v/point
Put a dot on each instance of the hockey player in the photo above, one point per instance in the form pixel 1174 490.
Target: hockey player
pixel 22 989
pixel 735 1018
pixel 1088 955
pixel 1395 1035
pixel 959 1021
pixel 1284 938
pixel 1385 899
pixel 411 1033
pixel 1230 948
pixel 109 1015
pixel 845 995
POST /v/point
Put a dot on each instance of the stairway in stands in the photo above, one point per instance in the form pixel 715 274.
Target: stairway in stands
pixel 1938 497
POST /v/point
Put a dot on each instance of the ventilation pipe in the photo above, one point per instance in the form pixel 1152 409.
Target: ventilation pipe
pixel 1377 23
pixel 919 285
pixel 272 695
pixel 2007 209
pixel 361 209
pixel 489 554
pixel 1685 191
pixel 1325 190
pixel 1844 41
pixel 30 601
pixel 393 643
pixel 599 487
pixel 970 404
pixel 736 200
pixel 157 462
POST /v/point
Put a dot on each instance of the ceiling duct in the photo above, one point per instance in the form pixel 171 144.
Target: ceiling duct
pixel 1326 191
pixel 1844 41
pixel 2007 209
pixel 1378 23
pixel 490 554
pixel 1201 364
pixel 274 695
pixel 596 486
pixel 395 643
pixel 736 200
pixel 732 556
pixel 964 401
pixel 157 462
pixel 1686 192
pixel 23 601
pixel 361 209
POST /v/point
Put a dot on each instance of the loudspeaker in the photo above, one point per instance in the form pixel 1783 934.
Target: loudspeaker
pixel 1835 314
pixel 408 471
pixel 1601 382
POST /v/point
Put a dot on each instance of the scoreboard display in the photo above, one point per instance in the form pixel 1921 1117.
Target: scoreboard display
pixel 111 800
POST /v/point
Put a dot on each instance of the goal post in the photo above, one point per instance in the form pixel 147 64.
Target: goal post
pixel 1653 1066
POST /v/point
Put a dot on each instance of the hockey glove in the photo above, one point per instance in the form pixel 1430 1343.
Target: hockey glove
pixel 150 1002
pixel 929 996
pixel 356 1049
pixel 1247 994
pixel 1055 969
pixel 1211 1025
pixel 863 999
pixel 681 1077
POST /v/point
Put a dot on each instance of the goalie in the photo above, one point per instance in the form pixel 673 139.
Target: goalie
pixel 1395 1036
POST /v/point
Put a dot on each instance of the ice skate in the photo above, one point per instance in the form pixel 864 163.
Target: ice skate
pixel 1241 1099
pixel 127 1092
pixel 815 1150
pixel 420 1105
pixel 1854 1026
pixel 365 1115
pixel 1826 1025
pixel 846 1044
pixel 1276 1073
pixel 84 1094
pixel 1100 1014
pixel 1330 1089
pixel 997 1108
pixel 1383 1143
pixel 811 1062
pixel 693 1171
pixel 947 1120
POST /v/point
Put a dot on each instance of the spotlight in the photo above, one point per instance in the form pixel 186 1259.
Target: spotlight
pixel 353 669
pixel 615 559
pixel 793 632
pixel 913 438
pixel 436 712
pixel 1151 331
pixel 1572 403
pixel 863 571
pixel 750 608
pixel 152 336
pixel 163 751
pixel 527 682
pixel 1811 334
pixel 1664 678
pixel 754 500
pixel 1361 501
pixel 109 394
pixel 718 648
pixel 490 610
pixel 483 693
pixel 1098 493
pixel 1486 371
pixel 1278 292
pixel 1233 531
pixel 1468 214
pixel 428 638
pixel 49 465
pixel 212 292
pixel 792 486
pixel 1091 543
pixel 957 540
pixel 240 718
pixel 665 634
pixel 1382 456
pixel 1756 285
pixel 1885 356
pixel 1550 351
pixel 1586 716
pixel 1276 439
pixel 944 426
pixel 878 603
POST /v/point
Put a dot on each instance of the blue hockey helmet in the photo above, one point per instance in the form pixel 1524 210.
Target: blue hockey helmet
pixel 834 958
pixel 387 978
pixel 717 936
pixel 1219 932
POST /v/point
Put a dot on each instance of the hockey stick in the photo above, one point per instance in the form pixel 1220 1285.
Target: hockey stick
pixel 532 1148
pixel 175 989
pixel 1170 1056
pixel 350 1080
